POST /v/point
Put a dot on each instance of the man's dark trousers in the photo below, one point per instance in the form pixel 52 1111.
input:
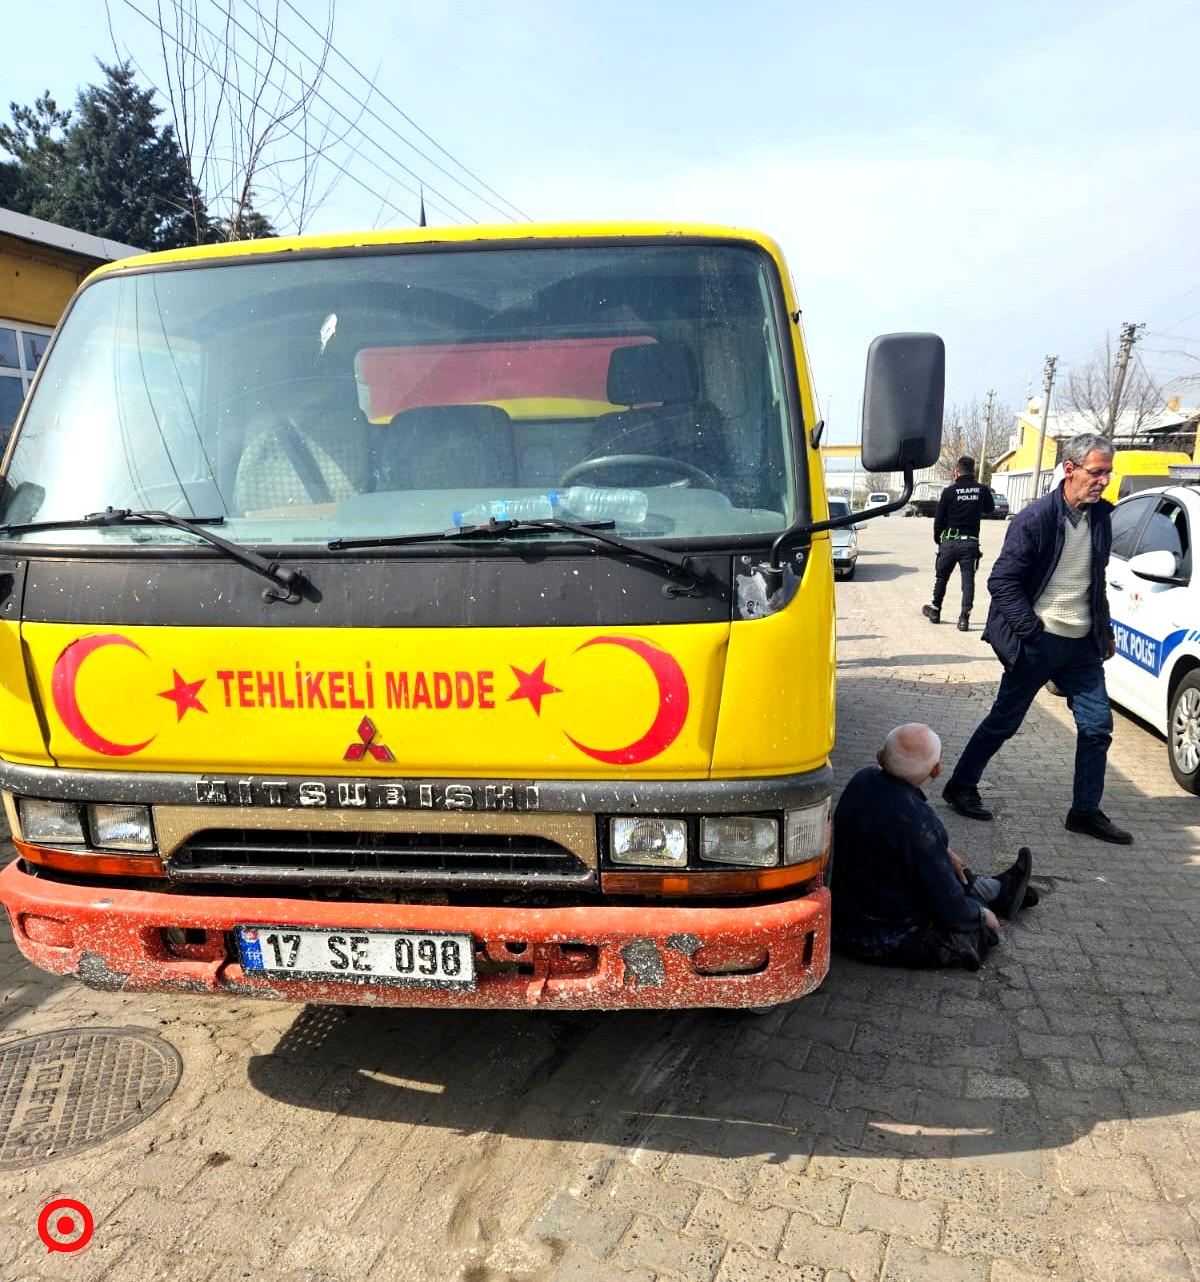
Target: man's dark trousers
pixel 965 554
pixel 1073 664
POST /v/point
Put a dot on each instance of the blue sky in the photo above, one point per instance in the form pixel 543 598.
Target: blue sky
pixel 1021 179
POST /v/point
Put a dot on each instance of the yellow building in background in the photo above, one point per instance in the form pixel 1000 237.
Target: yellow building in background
pixel 1168 437
pixel 41 264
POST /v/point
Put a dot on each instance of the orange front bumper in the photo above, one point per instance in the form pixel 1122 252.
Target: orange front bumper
pixel 593 958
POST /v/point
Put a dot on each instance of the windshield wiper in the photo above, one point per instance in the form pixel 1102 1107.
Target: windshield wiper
pixel 674 564
pixel 287 583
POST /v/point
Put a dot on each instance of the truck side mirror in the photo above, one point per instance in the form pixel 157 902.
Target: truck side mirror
pixel 903 402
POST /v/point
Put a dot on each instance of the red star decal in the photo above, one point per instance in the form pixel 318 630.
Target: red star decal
pixel 532 686
pixel 184 695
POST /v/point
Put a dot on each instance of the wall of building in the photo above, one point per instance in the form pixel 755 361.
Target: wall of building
pixel 1024 457
pixel 36 281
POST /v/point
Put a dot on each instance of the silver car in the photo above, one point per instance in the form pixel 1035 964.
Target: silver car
pixel 844 542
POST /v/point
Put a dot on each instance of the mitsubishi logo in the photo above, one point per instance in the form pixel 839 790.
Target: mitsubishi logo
pixel 367 733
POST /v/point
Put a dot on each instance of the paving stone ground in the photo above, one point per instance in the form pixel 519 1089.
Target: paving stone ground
pixel 1039 1120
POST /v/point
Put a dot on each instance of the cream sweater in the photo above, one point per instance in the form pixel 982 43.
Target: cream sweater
pixel 1063 607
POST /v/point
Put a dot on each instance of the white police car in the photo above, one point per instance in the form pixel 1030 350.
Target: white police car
pixel 1154 598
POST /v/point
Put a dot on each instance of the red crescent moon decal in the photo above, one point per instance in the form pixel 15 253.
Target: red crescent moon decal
pixel 62 687
pixel 672 705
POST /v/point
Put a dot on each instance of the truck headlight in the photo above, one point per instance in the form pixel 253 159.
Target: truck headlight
pixel 806 833
pixel 51 823
pixel 648 843
pixel 121 827
pixel 740 839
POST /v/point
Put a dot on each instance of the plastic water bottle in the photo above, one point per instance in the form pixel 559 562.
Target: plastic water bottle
pixel 538 508
pixel 594 503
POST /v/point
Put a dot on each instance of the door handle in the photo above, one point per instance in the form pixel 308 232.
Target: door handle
pixel 1112 583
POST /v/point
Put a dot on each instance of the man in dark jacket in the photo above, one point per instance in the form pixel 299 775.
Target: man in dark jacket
pixel 1049 621
pixel 901 897
pixel 956 536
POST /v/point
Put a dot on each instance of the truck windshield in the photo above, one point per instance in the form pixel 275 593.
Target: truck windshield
pixel 373 394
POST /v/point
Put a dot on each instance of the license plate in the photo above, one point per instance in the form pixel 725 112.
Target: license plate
pixel 425 960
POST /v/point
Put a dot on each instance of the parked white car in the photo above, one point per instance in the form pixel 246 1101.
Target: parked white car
pixel 844 542
pixel 1154 598
pixel 877 498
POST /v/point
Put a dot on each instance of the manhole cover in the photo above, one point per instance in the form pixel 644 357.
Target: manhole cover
pixel 61 1092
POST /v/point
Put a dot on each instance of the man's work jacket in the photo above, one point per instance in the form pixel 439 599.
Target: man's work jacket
pixel 892 875
pixel 1031 552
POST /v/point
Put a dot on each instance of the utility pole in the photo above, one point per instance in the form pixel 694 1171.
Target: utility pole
pixel 985 465
pixel 857 459
pixel 1129 336
pixel 1047 388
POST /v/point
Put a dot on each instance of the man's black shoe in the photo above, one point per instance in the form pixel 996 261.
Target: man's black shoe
pixel 966 801
pixel 1095 823
pixel 1032 898
pixel 932 613
pixel 964 624
pixel 1014 882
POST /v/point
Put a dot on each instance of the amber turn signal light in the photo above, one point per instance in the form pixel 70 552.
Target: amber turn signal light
pixel 753 881
pixel 89 862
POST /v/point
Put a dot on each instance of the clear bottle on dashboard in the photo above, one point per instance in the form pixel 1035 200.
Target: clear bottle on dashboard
pixel 538 508
pixel 598 503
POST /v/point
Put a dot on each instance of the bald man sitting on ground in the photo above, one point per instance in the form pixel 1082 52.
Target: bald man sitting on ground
pixel 901 896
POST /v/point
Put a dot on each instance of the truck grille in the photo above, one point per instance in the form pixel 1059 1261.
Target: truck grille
pixel 377 858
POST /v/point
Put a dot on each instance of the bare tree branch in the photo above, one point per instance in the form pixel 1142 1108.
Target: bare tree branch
pixel 1090 386
pixel 240 105
pixel 964 431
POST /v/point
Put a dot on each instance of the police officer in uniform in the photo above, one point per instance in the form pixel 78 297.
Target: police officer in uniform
pixel 956 533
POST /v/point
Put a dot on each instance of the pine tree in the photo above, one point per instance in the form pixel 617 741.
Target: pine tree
pixel 108 169
pixel 122 177
pixel 251 225
pixel 30 182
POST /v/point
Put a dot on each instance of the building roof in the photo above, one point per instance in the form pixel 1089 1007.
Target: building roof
pixel 1064 423
pixel 39 232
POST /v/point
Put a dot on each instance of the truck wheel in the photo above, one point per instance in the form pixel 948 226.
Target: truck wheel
pixel 850 572
pixel 1183 732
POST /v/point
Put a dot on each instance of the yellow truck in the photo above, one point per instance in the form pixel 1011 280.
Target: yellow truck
pixel 432 617
pixel 1135 470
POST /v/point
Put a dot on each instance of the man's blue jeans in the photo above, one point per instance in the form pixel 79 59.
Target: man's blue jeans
pixel 1075 667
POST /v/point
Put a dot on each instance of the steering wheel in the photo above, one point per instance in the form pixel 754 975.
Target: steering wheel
pixel 687 472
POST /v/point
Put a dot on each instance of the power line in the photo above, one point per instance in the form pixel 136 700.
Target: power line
pixel 417 127
pixel 175 39
pixel 1171 302
pixel 320 97
pixel 295 134
pixel 1047 388
pixel 1188 317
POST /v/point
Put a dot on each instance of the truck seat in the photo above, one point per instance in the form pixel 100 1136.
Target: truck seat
pixel 658 382
pixel 302 455
pixel 437 447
